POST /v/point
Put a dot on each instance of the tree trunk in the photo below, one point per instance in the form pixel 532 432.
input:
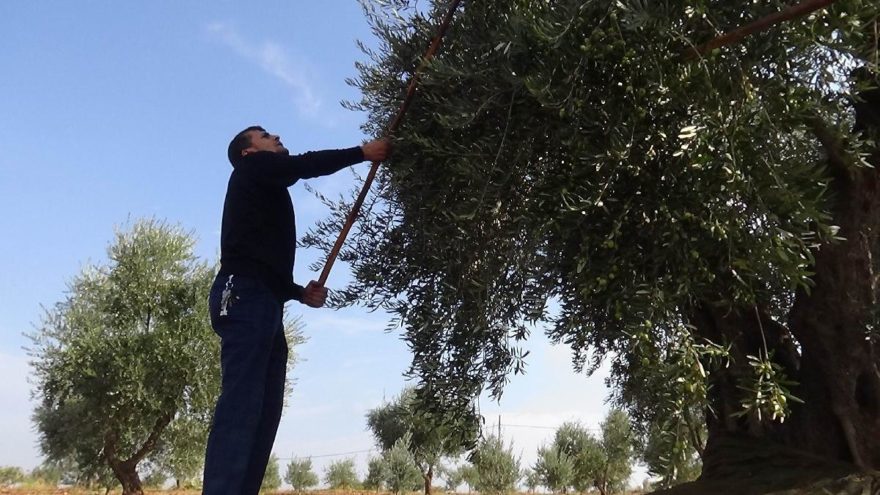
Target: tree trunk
pixel 429 479
pixel 829 344
pixel 131 482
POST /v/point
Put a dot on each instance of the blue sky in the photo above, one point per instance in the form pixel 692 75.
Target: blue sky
pixel 111 111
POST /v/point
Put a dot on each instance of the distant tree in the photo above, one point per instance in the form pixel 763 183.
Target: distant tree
pixel 531 479
pixel 574 443
pixel 402 473
pixel 469 476
pixel 181 451
pixel 452 477
pixel 128 353
pixel 617 453
pixel 376 474
pixel 431 437
pixel 155 478
pixel 48 473
pixel 272 478
pixel 553 469
pixel 341 475
pixel 10 475
pixel 498 470
pixel 300 475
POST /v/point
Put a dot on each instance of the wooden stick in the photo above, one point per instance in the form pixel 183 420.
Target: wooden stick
pixel 730 37
pixel 410 92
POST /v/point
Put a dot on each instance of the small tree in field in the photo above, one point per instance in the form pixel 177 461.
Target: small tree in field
pixel 376 474
pixel 300 475
pixel 531 480
pixel 126 356
pixel 452 477
pixel 272 478
pixel 470 476
pixel 402 473
pixel 430 437
pixel 10 475
pixel 340 475
pixel 497 468
pixel 553 469
pixel 617 449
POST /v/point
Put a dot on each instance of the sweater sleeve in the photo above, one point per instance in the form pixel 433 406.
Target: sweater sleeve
pixel 278 169
pixel 295 292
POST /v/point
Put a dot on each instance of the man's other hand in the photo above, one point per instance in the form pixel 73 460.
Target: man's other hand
pixel 314 295
pixel 377 151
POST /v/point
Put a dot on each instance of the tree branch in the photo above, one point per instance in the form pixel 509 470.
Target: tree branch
pixel 838 157
pixel 151 441
pixel 738 34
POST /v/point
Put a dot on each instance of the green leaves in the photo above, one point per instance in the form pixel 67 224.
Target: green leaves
pixel 340 475
pixel 299 475
pixel 129 348
pixel 768 390
pixel 497 469
pixel 563 155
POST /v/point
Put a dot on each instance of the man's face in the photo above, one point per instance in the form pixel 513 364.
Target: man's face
pixel 263 141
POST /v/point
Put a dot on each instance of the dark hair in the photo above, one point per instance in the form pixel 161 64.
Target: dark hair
pixel 241 141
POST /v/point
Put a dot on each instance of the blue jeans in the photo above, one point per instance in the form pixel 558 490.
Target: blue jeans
pixel 253 359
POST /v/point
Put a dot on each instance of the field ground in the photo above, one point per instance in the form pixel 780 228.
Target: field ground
pixel 80 491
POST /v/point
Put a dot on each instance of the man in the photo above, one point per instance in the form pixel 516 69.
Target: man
pixel 257 245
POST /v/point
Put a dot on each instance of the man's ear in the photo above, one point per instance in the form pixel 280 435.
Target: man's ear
pixel 246 151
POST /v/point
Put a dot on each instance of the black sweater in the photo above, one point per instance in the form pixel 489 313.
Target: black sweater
pixel 258 236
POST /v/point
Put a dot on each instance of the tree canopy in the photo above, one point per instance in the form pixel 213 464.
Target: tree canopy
pixel 127 356
pixel 428 437
pixel 565 165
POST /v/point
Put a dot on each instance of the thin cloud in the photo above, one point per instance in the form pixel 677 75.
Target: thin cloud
pixel 275 61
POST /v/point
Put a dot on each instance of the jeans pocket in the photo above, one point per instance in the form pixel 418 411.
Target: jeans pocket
pixel 237 300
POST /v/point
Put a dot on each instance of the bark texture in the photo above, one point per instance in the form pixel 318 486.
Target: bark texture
pixel 829 344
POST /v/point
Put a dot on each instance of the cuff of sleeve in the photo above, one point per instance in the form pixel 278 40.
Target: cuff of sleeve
pixel 295 292
pixel 359 151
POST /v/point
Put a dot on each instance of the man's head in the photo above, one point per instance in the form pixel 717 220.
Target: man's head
pixel 251 140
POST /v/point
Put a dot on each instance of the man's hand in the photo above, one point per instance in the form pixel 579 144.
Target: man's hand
pixel 314 295
pixel 377 151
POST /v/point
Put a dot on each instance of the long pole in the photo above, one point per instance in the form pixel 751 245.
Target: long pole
pixel 410 92
pixel 791 12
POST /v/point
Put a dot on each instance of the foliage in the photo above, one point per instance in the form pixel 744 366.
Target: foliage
pixel 49 473
pixel 553 469
pixel 578 460
pixel 10 475
pixel 430 436
pixel 299 475
pixel 155 478
pixel 452 477
pixel 129 355
pixel 673 462
pixel 564 155
pixel 531 479
pixel 574 443
pixel 272 478
pixel 377 472
pixel 616 453
pixel 341 475
pixel 469 475
pixel 401 472
pixel 497 469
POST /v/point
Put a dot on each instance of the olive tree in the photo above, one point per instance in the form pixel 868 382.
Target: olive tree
pixel 128 355
pixel 709 222
pixel 300 476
